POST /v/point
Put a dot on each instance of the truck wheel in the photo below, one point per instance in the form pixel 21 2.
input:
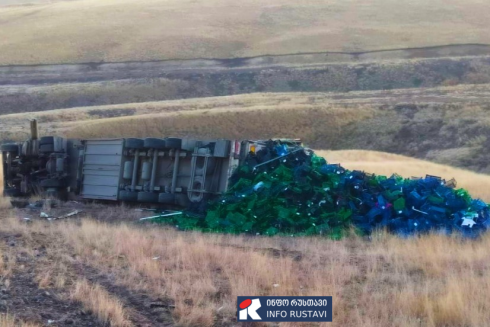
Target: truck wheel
pixel 173 143
pixel 46 148
pixel 147 197
pixel 128 196
pixel 11 192
pixel 154 143
pixel 52 183
pixel 168 198
pixel 133 143
pixel 46 140
pixel 11 147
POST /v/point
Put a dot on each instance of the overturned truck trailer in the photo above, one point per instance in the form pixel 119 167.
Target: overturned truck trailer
pixel 170 171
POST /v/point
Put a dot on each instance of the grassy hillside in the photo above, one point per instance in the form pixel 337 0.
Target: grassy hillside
pixel 122 30
pixel 452 133
pixel 161 84
pixel 447 125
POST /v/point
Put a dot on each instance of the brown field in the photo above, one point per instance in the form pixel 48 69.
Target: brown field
pixel 192 279
pixel 122 30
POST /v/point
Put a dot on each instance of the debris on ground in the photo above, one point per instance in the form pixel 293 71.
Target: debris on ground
pixel 71 214
pixel 36 205
pixel 283 189
pixel 161 214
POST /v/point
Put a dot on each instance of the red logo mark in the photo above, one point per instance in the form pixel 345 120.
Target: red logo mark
pixel 245 304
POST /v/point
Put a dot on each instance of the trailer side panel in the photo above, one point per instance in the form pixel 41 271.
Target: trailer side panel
pixel 102 169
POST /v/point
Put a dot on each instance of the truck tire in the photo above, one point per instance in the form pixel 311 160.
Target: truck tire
pixel 46 148
pixel 168 198
pixel 10 147
pixel 173 143
pixel 154 143
pixel 46 140
pixel 128 196
pixel 52 183
pixel 147 197
pixel 133 143
pixel 11 192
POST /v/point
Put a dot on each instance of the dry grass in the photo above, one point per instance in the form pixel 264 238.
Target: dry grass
pixel 59 120
pixel 201 274
pixel 427 281
pixel 94 298
pixel 451 133
pixel 121 30
pixel 199 79
pixel 7 264
pixel 315 118
pixel 437 280
pixel 7 320
pixel 310 122
pixel 434 280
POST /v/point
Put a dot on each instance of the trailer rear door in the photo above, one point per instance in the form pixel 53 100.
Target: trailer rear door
pixel 102 169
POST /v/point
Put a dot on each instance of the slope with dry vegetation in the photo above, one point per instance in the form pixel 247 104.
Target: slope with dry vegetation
pixel 122 30
pixel 455 133
pixel 430 281
pixel 448 125
pixel 24 89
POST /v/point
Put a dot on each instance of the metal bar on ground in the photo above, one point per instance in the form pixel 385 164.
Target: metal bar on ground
pixel 159 216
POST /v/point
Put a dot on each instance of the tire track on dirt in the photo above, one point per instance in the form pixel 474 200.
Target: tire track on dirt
pixel 144 309
pixel 20 293
pixel 52 304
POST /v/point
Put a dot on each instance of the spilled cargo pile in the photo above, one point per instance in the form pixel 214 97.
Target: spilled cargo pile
pixel 286 189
